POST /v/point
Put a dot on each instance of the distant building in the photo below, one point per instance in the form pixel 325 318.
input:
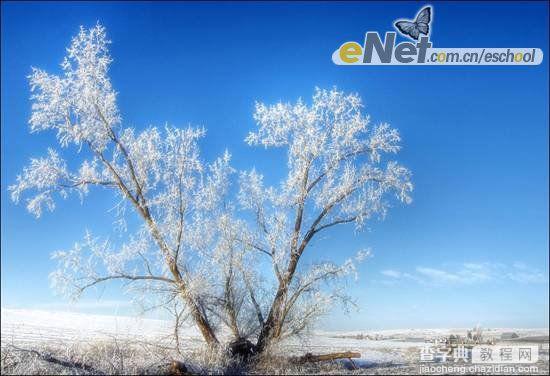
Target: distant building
pixel 509 335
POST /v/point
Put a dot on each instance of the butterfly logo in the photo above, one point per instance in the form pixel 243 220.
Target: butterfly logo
pixel 421 25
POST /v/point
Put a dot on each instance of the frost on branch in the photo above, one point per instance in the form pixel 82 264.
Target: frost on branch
pixel 78 103
pixel 157 173
pixel 94 260
pixel 49 175
pixel 191 249
pixel 340 171
pixel 335 158
pixel 317 290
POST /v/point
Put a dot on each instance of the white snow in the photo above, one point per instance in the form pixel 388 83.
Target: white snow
pixel 23 325
pixel 57 327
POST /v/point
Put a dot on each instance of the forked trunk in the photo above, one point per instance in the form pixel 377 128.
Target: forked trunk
pixel 205 328
pixel 273 325
pixel 199 318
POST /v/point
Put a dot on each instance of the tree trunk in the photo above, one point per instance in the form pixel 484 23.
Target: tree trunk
pixel 140 204
pixel 200 319
pixel 273 325
pixel 204 327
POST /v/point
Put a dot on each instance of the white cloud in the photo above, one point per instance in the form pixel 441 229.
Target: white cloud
pixel 524 274
pixel 478 272
pixel 437 275
pixel 391 273
pixel 470 273
pixel 532 277
pixel 519 265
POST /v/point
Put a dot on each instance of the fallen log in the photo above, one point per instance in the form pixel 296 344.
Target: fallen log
pixel 310 358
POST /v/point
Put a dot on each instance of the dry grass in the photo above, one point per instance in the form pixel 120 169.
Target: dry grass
pixel 117 358
pixel 120 357
pixel 110 357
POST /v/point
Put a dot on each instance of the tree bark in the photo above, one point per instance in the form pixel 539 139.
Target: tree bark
pixel 271 324
pixel 204 327
pixel 201 321
pixel 272 328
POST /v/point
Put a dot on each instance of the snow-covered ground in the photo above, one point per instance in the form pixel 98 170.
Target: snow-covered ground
pixel 28 327
pixel 23 325
pixel 39 325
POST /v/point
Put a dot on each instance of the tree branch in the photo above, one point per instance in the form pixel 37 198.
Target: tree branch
pixel 88 182
pixel 253 298
pixel 299 291
pixel 126 277
pixel 112 135
pixel 334 165
pixel 337 222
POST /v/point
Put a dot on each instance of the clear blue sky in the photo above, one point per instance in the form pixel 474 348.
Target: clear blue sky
pixel 473 246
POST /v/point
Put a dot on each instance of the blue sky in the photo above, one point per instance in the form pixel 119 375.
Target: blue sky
pixel 473 246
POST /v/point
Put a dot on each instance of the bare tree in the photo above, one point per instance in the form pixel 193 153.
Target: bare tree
pixel 337 175
pixel 195 249
pixel 157 173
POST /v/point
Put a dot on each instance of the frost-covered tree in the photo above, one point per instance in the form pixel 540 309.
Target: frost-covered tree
pixel 337 174
pixel 196 251
pixel 157 173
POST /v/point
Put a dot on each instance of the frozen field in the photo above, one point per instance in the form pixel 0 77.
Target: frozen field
pixel 29 327
pixel 396 349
